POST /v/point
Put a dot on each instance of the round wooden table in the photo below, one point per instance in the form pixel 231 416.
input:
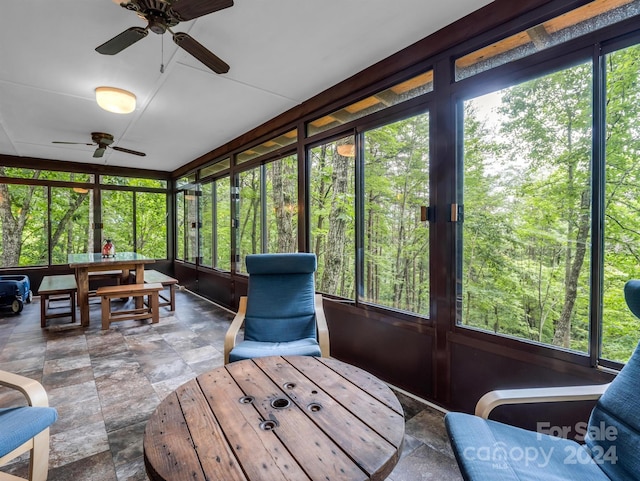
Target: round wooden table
pixel 276 418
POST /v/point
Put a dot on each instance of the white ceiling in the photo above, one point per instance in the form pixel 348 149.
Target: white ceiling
pixel 281 52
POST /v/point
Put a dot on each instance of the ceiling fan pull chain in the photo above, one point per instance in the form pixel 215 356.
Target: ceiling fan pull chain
pixel 161 53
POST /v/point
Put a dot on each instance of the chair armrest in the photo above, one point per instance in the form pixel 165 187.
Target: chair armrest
pixel 321 326
pixel 236 324
pixel 31 389
pixel 493 399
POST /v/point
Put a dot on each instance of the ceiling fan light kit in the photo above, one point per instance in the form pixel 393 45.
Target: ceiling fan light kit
pixel 115 100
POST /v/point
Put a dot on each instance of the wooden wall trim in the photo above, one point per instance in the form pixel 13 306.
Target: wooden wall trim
pixel 80 167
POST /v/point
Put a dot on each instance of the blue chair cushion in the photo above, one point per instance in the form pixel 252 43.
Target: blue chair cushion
pixel 489 450
pixel 251 349
pixel 614 425
pixel 632 296
pixel 280 297
pixel 19 424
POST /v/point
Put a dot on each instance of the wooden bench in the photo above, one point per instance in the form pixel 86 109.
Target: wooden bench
pixel 61 287
pixel 119 276
pixel 149 311
pixel 153 276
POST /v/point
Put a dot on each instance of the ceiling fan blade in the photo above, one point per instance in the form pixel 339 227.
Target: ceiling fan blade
pixel 189 9
pixel 128 151
pixel 100 151
pixel 122 41
pixel 196 49
pixel 71 143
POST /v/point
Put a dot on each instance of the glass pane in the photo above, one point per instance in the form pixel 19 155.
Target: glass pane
pixel 581 21
pixel 133 182
pixel 191 225
pixel 250 225
pixel 215 168
pixel 180 226
pixel 71 218
pixel 272 145
pixel 117 218
pixel 20 173
pixel 206 230
pixel 396 253
pixel 23 222
pixel 622 202
pixel 151 224
pixel 409 89
pixel 282 205
pixel 332 213
pixel 527 210
pixel 223 224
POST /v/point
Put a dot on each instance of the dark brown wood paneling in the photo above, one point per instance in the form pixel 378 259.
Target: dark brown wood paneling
pixel 392 349
pixel 475 370
pixel 216 286
pixel 80 167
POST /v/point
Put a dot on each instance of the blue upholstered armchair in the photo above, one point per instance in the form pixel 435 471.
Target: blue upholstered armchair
pixel 489 450
pixel 26 428
pixel 282 314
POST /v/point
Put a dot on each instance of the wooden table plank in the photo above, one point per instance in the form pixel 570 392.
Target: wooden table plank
pixel 369 449
pixel 366 381
pixel 380 417
pixel 316 452
pixel 167 441
pixel 214 454
pixel 261 453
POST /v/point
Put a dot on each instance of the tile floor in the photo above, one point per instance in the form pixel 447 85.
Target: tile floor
pixel 105 385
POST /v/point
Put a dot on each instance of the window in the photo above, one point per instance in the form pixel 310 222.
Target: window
pixel 24 224
pixel 215 233
pixel 71 212
pixel 527 204
pixel 249 215
pixel 268 207
pixel 409 89
pixel 332 216
pixel 118 219
pixel 281 204
pixel 588 18
pixel 284 140
pixel 187 220
pixel 396 241
pixel 621 201
pixel 151 224
pixel 223 224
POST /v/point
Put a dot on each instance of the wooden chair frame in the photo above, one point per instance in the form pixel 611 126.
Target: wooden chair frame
pixel 321 328
pixel 39 444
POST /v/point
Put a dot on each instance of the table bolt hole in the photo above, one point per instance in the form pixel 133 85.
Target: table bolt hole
pixel 314 407
pixel 246 400
pixel 280 403
pixel 289 385
pixel 267 425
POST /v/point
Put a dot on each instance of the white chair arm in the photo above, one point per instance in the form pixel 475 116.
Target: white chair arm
pixel 31 389
pixel 493 399
pixel 321 326
pixel 232 332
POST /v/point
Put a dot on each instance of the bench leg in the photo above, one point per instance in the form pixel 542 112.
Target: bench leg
pixel 106 312
pixel 43 310
pixel 72 295
pixel 155 309
pixel 172 296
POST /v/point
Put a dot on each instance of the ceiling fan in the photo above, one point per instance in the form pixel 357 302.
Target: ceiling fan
pixel 160 16
pixel 103 141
